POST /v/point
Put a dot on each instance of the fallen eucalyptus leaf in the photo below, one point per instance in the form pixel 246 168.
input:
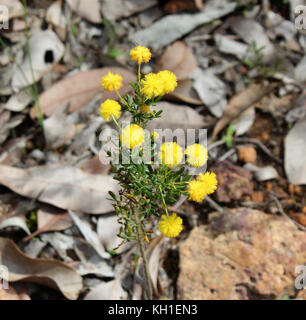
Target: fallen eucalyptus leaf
pixel 244 122
pixel 62 186
pixel 173 27
pixel 58 130
pixel 87 9
pixel 51 219
pixel 90 235
pixel 185 117
pixel 9 294
pixel 251 31
pixel 299 109
pixel 7 122
pixel 108 229
pixel 18 222
pixel 154 251
pixel 300 70
pixel 46 50
pixel 14 7
pixel 184 92
pixel 60 242
pixel 211 90
pixel 295 153
pixel 78 90
pixel 262 173
pixel 52 273
pixel 55 15
pixel 239 103
pixel 18 101
pixel 111 290
pixel 115 9
pixel 231 46
pixel 179 59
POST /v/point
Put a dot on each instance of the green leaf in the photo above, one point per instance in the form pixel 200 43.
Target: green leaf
pixel 112 252
pixel 114 53
pixel 228 138
pixel 111 193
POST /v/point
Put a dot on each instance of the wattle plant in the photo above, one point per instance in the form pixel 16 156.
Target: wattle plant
pixel 147 188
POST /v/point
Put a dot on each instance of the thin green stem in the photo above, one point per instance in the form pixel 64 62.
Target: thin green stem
pixel 179 165
pixel 139 75
pixel 163 200
pixel 141 246
pixel 116 123
pixel 120 96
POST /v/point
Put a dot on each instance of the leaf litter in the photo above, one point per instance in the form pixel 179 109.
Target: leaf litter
pixel 241 75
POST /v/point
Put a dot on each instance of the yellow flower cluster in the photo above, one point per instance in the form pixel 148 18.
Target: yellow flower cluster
pixel 170 154
pixel 158 84
pixel 203 185
pixel 144 109
pixel 170 226
pixel 140 54
pixel 197 155
pixel 154 135
pixel 111 82
pixel 110 109
pixel 132 136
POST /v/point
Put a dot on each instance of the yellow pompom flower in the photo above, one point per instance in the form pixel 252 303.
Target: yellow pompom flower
pixel 197 155
pixel 111 82
pixel 203 185
pixel 110 108
pixel 209 180
pixel 132 136
pixel 152 85
pixel 170 226
pixel 168 80
pixel 154 135
pixel 144 109
pixel 196 190
pixel 171 154
pixel 140 54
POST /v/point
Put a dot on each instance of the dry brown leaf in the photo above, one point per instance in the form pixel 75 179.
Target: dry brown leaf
pixel 87 9
pixel 40 44
pixel 111 290
pixel 240 103
pixel 52 273
pixel 184 92
pixel 11 294
pixel 179 59
pixel 295 153
pixel 8 294
pixel 185 117
pixel 94 166
pixel 51 219
pixel 62 186
pixel 78 90
pixel 15 9
pixel 153 252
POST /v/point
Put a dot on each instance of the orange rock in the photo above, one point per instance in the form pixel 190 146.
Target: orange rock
pixel 245 246
pixel 304 209
pixel 247 154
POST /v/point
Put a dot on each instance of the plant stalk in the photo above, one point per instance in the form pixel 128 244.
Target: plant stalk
pixel 143 255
